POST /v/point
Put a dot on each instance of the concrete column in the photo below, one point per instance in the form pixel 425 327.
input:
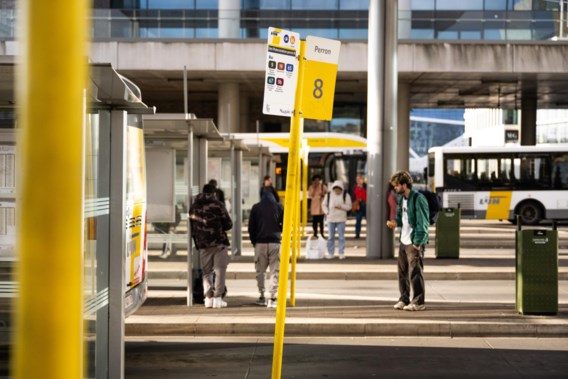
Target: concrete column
pixel 202 162
pixel 237 201
pixel 381 121
pixel 403 121
pixel 228 111
pixel 229 19
pixel 271 169
pixel 528 113
pixel 245 125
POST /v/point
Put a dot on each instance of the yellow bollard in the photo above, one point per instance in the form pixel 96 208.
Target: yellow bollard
pixel 296 127
pixel 51 81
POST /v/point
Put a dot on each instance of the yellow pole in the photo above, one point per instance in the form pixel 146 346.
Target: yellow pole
pixel 305 189
pixel 295 235
pixel 50 83
pixel 295 135
pixel 298 216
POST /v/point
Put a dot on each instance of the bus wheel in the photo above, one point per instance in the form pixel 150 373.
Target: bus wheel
pixel 530 212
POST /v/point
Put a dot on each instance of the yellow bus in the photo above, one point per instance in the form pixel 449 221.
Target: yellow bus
pixel 333 156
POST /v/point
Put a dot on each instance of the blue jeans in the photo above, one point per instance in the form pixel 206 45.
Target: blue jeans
pixel 331 237
pixel 362 212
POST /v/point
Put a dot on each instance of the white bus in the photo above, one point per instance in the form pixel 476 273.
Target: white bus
pixel 500 182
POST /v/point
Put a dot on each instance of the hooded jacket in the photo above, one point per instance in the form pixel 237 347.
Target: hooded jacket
pixel 332 213
pixel 209 221
pixel 265 220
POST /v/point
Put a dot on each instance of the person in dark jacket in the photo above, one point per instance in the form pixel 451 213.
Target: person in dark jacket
pixel 209 224
pixel 218 191
pixel 267 186
pixel 265 231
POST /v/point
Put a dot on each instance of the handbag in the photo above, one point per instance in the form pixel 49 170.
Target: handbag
pixel 355 206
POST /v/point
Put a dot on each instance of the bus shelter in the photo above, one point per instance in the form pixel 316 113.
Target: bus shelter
pixel 177 149
pixel 113 105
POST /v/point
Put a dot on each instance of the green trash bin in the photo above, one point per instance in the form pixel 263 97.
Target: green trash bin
pixel 537 271
pixel 448 233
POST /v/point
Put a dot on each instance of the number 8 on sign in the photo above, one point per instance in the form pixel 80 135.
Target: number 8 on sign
pixel 318 88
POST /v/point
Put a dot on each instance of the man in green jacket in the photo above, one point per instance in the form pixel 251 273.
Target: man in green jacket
pixel 412 215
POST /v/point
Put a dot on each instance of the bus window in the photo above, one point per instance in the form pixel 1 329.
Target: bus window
pixel 460 173
pixel 487 170
pixel 560 172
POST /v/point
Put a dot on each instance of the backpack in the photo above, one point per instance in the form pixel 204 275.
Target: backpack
pixel 433 204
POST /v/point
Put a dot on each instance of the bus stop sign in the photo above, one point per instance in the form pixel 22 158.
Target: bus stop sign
pixel 320 72
pixel 281 72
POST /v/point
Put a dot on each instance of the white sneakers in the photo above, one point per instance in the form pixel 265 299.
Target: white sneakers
pixel 219 303
pixel 271 303
pixel 414 307
pixel 208 302
pixel 410 307
pixel 329 256
pixel 400 305
pixel 215 302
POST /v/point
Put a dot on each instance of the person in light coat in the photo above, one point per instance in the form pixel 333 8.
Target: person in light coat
pixel 336 204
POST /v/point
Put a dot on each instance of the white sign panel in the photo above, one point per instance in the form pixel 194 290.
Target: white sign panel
pixel 322 50
pixel 281 72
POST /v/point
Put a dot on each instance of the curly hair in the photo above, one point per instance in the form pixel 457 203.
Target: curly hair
pixel 401 177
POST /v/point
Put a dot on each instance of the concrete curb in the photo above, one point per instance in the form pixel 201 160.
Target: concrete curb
pixel 379 328
pixel 461 275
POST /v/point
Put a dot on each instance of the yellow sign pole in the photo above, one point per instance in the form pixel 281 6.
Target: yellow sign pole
pixel 295 231
pixel 48 336
pixel 298 215
pixel 305 190
pixel 291 183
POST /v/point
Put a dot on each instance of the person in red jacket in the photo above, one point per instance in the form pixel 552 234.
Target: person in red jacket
pixel 360 192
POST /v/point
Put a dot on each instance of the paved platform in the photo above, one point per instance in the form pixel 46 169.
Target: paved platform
pixel 473 296
pixel 229 357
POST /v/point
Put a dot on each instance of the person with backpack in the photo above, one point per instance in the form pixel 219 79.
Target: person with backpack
pixel 412 215
pixel 336 204
pixel 210 222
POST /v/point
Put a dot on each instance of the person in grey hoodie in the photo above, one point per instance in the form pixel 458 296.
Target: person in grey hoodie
pixel 336 204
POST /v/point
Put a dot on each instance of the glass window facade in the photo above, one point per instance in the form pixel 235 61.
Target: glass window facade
pixel 492 20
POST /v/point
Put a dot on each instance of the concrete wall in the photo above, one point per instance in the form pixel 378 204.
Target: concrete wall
pixel 249 56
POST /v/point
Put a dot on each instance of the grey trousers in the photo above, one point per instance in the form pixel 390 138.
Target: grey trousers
pixel 267 255
pixel 214 259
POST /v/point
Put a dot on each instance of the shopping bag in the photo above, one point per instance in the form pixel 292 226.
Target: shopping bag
pixel 315 247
